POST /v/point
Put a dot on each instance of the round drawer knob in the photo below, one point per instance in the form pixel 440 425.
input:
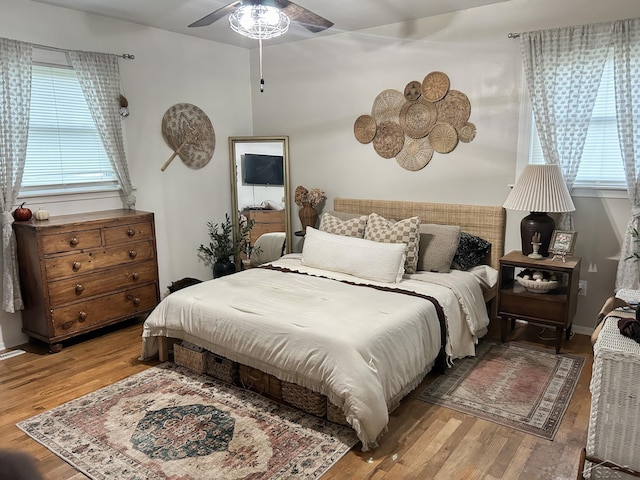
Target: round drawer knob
pixel 74 241
pixel 131 232
pixel 82 316
pixel 135 300
pixel 79 288
pixel 76 266
pixel 133 253
pixel 135 275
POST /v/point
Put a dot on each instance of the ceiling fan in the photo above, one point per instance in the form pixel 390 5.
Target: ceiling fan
pixel 309 20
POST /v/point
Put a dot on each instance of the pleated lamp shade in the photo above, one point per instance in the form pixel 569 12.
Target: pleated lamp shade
pixel 539 190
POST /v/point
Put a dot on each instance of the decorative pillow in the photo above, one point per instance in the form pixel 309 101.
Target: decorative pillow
pixel 362 258
pixel 471 251
pixel 406 231
pixel 353 227
pixel 437 247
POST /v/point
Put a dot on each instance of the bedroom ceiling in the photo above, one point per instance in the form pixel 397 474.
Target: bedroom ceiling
pixel 347 15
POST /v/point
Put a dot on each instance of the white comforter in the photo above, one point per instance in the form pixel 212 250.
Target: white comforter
pixel 362 347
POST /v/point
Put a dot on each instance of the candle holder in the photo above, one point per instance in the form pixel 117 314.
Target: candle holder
pixel 536 249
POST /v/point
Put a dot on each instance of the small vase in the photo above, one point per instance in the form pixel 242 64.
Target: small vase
pixel 308 217
pixel 223 267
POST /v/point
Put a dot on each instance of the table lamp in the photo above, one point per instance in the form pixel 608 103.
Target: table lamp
pixel 540 189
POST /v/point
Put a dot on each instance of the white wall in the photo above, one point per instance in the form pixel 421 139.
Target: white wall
pixel 168 69
pixel 315 89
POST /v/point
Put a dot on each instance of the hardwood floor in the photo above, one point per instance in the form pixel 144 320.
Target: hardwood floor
pixel 423 442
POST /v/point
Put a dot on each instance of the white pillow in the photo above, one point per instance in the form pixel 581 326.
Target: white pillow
pixel 381 262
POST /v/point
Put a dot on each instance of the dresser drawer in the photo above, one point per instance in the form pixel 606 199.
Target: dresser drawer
pixel 85 315
pixel 128 233
pixel 84 286
pixel 86 262
pixel 71 241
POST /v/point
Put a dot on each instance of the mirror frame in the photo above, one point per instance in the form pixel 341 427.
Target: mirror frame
pixel 233 161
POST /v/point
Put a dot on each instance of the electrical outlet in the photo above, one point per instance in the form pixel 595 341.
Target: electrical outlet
pixel 582 287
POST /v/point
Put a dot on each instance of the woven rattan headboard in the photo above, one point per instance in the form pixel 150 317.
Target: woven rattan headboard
pixel 487 222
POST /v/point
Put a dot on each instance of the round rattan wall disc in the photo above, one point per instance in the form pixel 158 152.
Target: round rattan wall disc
pixel 189 132
pixel 435 86
pixel 387 105
pixel 413 90
pixel 418 118
pixel 415 154
pixel 454 108
pixel 443 137
pixel 467 132
pixel 364 128
pixel 389 139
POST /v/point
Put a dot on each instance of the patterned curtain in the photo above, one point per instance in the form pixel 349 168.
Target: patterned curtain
pixel 626 52
pixel 563 68
pixel 15 99
pixel 99 77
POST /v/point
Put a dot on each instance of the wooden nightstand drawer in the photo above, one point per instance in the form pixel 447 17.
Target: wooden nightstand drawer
pixel 527 307
pixel 84 315
pixel 85 262
pixel 86 286
pixel 71 241
pixel 128 233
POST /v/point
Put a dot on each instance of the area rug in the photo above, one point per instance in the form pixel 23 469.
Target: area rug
pixel 169 423
pixel 521 387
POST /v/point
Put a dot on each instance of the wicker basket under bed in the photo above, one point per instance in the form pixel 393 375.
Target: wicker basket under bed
pixel 304 399
pixel 192 359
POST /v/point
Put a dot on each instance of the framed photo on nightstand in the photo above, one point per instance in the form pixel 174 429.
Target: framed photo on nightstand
pixel 562 242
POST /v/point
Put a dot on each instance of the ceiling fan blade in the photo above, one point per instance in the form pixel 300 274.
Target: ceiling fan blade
pixel 217 15
pixel 309 20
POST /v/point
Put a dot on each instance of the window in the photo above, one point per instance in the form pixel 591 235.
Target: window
pixel 601 165
pixel 64 153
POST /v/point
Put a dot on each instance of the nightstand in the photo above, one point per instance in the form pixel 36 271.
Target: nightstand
pixel 555 308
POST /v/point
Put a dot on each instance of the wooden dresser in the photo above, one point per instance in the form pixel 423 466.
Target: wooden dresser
pixel 266 221
pixel 82 272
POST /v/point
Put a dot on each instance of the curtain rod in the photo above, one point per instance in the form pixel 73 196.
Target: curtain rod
pixel 126 56
pixel 513 35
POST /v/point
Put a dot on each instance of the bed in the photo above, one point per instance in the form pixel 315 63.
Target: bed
pixel 340 319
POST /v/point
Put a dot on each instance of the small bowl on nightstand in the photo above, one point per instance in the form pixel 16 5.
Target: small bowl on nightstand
pixel 537 287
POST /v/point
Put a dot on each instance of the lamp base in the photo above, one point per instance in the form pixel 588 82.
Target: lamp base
pixel 536 222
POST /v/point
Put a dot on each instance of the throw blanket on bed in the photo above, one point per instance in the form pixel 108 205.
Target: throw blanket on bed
pixel 363 348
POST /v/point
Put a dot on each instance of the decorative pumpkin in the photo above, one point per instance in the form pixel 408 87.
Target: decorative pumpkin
pixel 22 213
pixel 41 214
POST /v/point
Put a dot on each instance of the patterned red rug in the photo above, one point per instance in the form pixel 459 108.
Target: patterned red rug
pixel 170 423
pixel 521 387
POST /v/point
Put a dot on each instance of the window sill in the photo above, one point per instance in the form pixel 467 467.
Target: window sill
pixel 70 196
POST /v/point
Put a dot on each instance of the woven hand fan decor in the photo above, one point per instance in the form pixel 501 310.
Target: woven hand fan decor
pixel 412 124
pixel 189 133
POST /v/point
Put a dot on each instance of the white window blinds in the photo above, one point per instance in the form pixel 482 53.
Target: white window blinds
pixel 64 151
pixel 601 165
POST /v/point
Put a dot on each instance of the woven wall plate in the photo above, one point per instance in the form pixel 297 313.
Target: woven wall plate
pixel 189 133
pixel 467 132
pixel 443 137
pixel 364 128
pixel 415 154
pixel 418 118
pixel 387 105
pixel 389 139
pixel 454 108
pixel 413 90
pixel 435 86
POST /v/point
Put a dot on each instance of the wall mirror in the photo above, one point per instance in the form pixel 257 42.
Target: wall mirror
pixel 259 169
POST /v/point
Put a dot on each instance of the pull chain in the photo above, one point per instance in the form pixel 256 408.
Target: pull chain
pixel 261 76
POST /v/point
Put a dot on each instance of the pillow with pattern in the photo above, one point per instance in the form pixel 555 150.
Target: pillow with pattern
pixel 471 251
pixel 353 227
pixel 406 231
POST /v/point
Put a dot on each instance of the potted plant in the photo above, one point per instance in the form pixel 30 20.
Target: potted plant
pixel 224 247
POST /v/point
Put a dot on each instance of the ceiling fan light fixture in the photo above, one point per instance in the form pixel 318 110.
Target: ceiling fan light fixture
pixel 259 21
